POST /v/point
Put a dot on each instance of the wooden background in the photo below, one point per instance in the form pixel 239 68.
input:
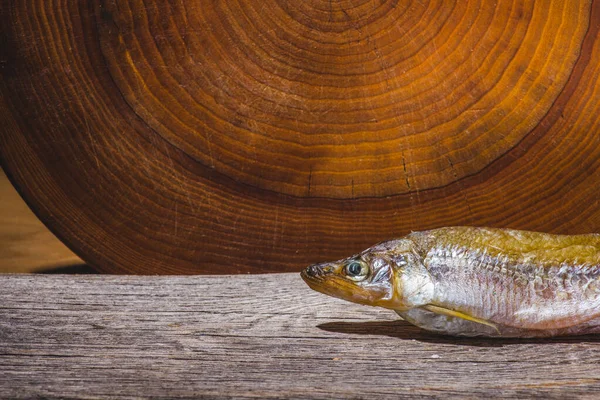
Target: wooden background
pixel 26 245
pixel 165 137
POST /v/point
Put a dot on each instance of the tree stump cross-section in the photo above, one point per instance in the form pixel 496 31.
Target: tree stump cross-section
pixel 161 137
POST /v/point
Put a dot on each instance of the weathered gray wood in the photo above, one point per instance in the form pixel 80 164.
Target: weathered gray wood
pixel 254 336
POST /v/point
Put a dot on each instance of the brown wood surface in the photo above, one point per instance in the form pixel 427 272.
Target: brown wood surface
pixel 265 336
pixel 255 136
pixel 26 245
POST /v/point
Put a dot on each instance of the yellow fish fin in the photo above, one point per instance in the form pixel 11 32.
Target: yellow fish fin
pixel 458 314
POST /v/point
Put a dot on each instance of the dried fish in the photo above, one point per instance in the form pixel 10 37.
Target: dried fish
pixel 469 281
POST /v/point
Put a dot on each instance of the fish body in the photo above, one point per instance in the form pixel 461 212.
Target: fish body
pixel 469 281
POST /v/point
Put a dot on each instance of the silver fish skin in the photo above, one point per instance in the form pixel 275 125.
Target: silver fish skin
pixel 526 293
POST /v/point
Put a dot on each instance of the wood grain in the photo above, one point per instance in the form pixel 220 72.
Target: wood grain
pixel 266 336
pixel 26 245
pixel 255 136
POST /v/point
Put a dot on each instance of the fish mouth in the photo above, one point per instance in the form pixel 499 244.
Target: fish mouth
pixel 319 277
pixel 323 279
pixel 314 277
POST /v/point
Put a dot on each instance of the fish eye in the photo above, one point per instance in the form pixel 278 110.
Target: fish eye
pixel 356 270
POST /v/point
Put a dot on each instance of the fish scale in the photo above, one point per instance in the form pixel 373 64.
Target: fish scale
pixel 555 282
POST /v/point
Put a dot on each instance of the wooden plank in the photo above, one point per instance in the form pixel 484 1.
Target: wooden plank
pixel 26 245
pixel 266 336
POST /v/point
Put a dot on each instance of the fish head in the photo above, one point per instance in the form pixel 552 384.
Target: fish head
pixel 374 277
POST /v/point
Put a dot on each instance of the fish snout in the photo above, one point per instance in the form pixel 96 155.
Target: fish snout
pixel 317 270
